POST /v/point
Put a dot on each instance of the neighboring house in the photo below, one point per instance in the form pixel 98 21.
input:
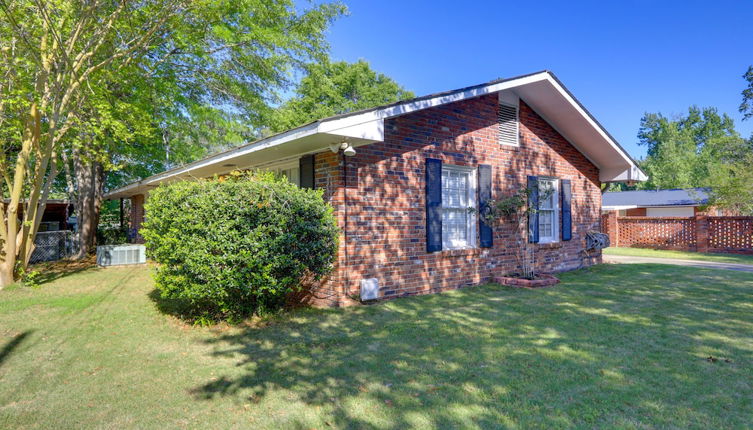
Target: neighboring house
pixel 416 166
pixel 54 239
pixel 55 217
pixel 660 203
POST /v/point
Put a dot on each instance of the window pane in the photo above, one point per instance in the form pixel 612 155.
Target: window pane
pixel 455 224
pixel 546 194
pixel 455 189
pixel 546 223
pixel 293 175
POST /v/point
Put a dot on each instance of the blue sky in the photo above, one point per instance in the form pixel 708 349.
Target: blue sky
pixel 620 59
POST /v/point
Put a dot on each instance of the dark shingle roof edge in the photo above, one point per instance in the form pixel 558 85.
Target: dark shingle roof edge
pixel 654 198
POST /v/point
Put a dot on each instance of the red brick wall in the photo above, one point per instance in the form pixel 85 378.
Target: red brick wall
pixel 609 227
pixel 384 229
pixel 137 216
pixel 636 212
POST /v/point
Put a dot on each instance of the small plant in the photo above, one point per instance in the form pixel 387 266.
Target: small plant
pixel 32 279
pixel 515 209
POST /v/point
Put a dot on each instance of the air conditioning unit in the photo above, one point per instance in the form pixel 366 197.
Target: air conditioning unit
pixel 116 255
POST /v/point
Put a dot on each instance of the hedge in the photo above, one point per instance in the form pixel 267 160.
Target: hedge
pixel 231 247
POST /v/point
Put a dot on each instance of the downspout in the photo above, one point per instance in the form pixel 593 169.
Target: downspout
pixel 345 221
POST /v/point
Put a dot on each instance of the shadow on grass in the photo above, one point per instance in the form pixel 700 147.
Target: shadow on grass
pixel 177 308
pixel 52 271
pixel 610 346
pixel 11 346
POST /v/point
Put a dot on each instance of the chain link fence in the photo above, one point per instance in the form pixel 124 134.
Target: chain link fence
pixel 54 245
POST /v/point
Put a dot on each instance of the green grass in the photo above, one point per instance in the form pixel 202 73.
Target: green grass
pixel 610 347
pixel 657 253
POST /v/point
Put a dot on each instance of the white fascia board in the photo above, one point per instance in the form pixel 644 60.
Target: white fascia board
pixel 333 125
pixel 617 207
pixel 372 131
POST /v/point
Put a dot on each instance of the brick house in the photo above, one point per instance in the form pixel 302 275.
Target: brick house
pixel 401 179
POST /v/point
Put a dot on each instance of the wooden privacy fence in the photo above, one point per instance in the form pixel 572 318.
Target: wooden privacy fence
pixel 732 234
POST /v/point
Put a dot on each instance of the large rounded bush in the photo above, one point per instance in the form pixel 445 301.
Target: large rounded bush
pixel 238 245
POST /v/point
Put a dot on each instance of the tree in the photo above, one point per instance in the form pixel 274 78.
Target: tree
pixel 334 88
pixel 681 152
pixel 208 84
pixel 68 65
pixel 701 149
pixel 53 52
pixel 731 182
pixel 746 107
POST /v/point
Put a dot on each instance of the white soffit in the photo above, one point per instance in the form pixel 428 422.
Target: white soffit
pixel 550 100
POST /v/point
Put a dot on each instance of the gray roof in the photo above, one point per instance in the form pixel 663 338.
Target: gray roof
pixel 649 198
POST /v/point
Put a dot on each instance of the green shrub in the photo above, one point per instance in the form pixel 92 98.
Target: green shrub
pixel 228 248
pixel 111 235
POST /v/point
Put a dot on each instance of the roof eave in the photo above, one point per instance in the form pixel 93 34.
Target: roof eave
pixel 367 126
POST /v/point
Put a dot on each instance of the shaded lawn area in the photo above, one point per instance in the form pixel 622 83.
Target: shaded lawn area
pixel 610 347
pixel 681 255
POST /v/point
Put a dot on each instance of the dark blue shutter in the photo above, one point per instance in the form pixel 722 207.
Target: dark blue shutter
pixel 567 219
pixel 306 171
pixel 433 205
pixel 533 209
pixel 484 196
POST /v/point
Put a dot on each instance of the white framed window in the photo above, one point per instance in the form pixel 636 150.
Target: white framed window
pixel 458 195
pixel 289 168
pixel 548 210
pixel 292 173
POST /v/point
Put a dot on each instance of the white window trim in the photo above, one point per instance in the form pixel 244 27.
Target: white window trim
pixel 557 214
pixel 472 193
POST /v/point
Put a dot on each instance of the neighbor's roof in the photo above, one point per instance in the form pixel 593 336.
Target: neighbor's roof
pixel 542 91
pixel 654 198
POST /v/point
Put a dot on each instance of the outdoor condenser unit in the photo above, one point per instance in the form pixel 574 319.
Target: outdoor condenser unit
pixel 116 255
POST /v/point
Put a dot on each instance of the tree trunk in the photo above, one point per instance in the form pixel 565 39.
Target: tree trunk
pixel 90 183
pixel 7 274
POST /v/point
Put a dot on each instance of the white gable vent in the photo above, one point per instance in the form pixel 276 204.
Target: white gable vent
pixel 116 255
pixel 508 124
pixel 508 118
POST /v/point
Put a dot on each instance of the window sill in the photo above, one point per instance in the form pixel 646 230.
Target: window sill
pixel 550 245
pixel 460 252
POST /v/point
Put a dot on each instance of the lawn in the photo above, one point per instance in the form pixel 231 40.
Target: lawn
pixel 610 347
pixel 682 255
